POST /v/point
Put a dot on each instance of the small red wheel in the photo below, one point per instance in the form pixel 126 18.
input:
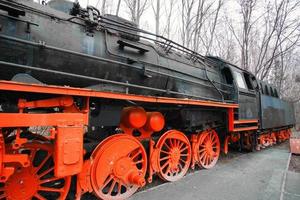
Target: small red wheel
pixel 287 134
pixel 119 165
pixel 174 155
pixel 36 181
pixel 209 149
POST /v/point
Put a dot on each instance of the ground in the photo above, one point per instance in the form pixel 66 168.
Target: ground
pixel 263 175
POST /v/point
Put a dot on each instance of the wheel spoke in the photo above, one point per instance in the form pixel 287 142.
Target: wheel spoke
pixel 166 152
pixel 201 150
pixel 112 186
pixel 2 196
pixel 36 169
pixel 164 158
pixel 119 188
pixel 181 145
pixel 171 143
pixel 185 155
pixel 48 189
pixel 138 152
pixel 32 155
pixel 214 142
pixel 107 181
pixel 139 162
pixel 176 142
pixel 185 148
pixel 50 180
pixel 184 161
pixel 38 196
pixel 164 165
pixel 166 145
pixel 202 155
pixel 46 172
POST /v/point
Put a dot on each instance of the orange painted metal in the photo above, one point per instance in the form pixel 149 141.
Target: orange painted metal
pixel 68 130
pixel 230 113
pixel 44 119
pixel 137 119
pixel 118 167
pixel 271 138
pixel 226 144
pixel 133 117
pixel 234 137
pixel 64 101
pixel 247 140
pixel 208 149
pixel 30 181
pixel 194 143
pixel 35 88
pixel 171 156
pixel 246 121
pixel 249 128
pixel 6 158
pixel 247 125
pixel 18 141
pixel 155 122
pixel 68 150
pixel 153 157
pixel 83 183
pixel 283 135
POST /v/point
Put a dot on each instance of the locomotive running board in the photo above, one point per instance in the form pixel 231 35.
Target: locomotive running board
pixel 65 90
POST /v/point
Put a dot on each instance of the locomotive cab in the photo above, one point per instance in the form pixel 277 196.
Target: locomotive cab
pixel 247 90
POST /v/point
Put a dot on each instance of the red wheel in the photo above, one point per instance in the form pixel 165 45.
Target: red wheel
pixel 273 137
pixel 36 181
pixel 174 155
pixel 119 165
pixel 209 149
pixel 287 134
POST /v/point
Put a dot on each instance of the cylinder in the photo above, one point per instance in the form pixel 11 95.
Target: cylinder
pixel 134 117
pixel 155 122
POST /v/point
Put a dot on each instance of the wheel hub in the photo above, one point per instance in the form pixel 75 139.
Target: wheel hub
pixel 209 148
pixel 22 184
pixel 122 167
pixel 175 157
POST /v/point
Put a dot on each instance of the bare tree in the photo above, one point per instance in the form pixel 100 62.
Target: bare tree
pixel 169 8
pixel 213 26
pixel 247 7
pixel 136 9
pixel 283 36
pixel 156 11
pixel 186 21
pixel 103 7
pixel 118 7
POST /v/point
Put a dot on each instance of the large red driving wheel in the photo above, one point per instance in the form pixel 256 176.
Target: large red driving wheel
pixel 119 165
pixel 36 181
pixel 174 155
pixel 208 149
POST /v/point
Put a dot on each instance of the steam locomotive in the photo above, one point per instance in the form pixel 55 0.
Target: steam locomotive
pixel 95 98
